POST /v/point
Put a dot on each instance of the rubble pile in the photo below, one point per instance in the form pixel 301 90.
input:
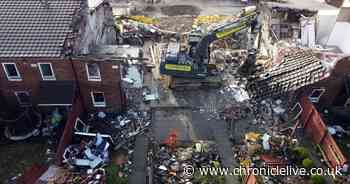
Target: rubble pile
pixel 167 23
pixel 271 151
pixel 169 165
pixel 64 176
pixel 176 10
pixel 120 129
pixel 270 112
pixel 87 155
pixel 235 112
pixel 97 140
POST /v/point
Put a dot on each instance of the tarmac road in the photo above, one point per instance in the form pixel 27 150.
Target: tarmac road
pixel 192 124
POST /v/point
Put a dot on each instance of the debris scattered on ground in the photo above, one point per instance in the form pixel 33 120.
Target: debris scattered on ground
pixel 180 10
pixel 170 165
pixel 96 142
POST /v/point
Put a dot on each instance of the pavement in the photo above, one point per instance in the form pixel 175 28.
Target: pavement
pixel 194 124
pixel 138 175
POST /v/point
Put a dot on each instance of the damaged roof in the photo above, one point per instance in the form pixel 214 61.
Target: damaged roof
pixel 35 28
pixel 112 53
pixel 298 68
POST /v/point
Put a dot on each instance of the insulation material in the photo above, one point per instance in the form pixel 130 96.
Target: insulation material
pixel 135 75
pixel 94 3
pixel 326 20
pixel 340 37
pixel 308 37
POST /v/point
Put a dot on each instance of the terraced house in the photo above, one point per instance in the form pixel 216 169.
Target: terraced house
pixel 38 39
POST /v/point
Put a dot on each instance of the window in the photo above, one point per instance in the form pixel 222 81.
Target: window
pixel 46 71
pixel 296 111
pixel 98 99
pixel 11 71
pixel 93 72
pixel 347 103
pixel 316 95
pixel 23 97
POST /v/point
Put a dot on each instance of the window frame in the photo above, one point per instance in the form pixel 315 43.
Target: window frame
pixel 98 104
pixel 300 112
pixel 321 90
pixel 93 78
pixel 46 78
pixel 17 78
pixel 20 101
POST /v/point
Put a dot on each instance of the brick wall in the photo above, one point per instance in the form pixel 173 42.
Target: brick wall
pixel 63 70
pixel 66 138
pixel 250 179
pixel 110 84
pixel 30 77
pixel 316 128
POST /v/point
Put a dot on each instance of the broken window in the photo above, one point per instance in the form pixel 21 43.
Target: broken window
pixel 347 103
pixel 316 95
pixel 46 71
pixel 295 112
pixel 93 72
pixel 11 71
pixel 23 97
pixel 98 99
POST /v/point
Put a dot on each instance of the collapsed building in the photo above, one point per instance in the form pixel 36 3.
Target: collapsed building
pixel 276 97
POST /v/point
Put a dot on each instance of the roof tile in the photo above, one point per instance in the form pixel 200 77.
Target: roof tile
pixel 28 28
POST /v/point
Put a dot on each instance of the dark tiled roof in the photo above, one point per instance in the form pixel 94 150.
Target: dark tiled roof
pixel 29 28
pixel 297 69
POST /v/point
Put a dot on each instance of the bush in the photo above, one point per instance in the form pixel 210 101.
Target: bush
pixel 317 179
pixel 308 163
pixel 301 152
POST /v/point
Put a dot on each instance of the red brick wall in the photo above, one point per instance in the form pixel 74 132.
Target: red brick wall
pixel 316 128
pixel 63 70
pixel 66 139
pixel 251 179
pixel 110 84
pixel 30 77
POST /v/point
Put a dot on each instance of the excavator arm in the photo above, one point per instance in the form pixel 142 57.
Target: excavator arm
pixel 195 64
pixel 248 18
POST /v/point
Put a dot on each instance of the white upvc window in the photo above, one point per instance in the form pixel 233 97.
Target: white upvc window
pixel 46 71
pixel 11 72
pixel 93 72
pixel 316 95
pixel 23 98
pixel 98 99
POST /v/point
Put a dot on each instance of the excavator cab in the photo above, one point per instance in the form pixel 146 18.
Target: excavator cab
pixel 179 62
pixel 194 63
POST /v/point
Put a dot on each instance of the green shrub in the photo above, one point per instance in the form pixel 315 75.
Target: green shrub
pixel 301 152
pixel 308 163
pixel 317 179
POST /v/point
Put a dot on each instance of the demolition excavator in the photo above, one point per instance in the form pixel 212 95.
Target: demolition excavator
pixel 190 65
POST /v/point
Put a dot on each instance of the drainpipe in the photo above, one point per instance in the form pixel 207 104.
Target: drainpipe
pixel 77 83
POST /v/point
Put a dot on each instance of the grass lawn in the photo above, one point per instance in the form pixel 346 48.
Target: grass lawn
pixel 16 157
